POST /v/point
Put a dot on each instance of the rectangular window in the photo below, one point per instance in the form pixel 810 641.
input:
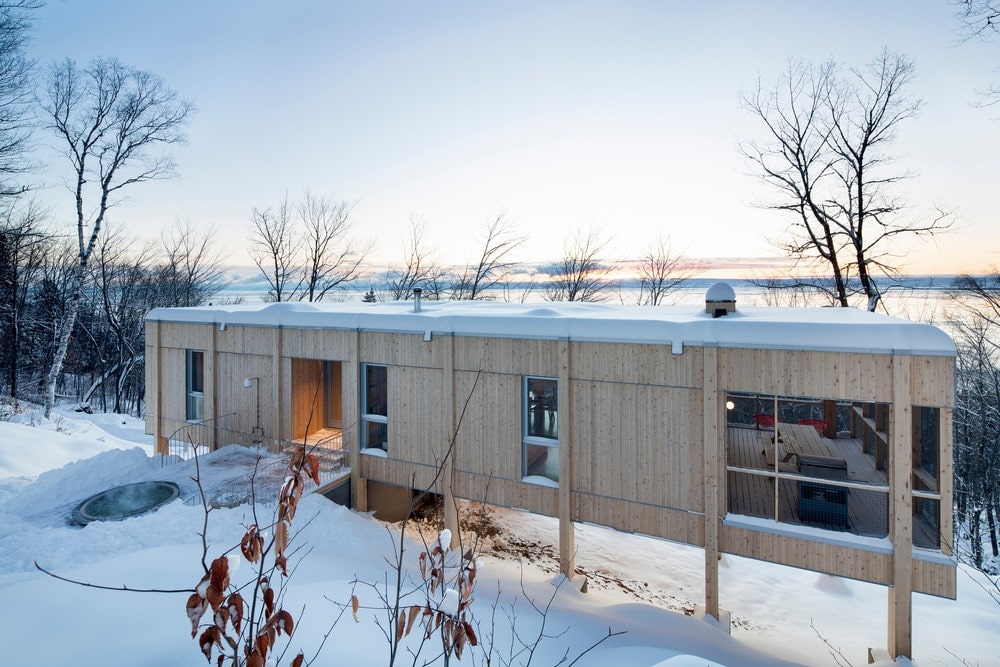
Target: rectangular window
pixel 540 445
pixel 374 407
pixel 926 492
pixel 786 462
pixel 195 385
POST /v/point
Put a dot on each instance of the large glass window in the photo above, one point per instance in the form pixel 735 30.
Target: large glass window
pixel 375 407
pixel 540 446
pixel 195 385
pixel 808 461
pixel 926 491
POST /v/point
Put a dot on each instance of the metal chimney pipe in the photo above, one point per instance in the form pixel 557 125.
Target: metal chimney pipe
pixel 416 299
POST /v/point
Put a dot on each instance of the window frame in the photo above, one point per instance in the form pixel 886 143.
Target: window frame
pixel 527 439
pixel 368 418
pixel 781 479
pixel 194 373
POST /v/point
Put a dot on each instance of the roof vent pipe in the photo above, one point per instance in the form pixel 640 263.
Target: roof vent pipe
pixel 416 299
pixel 720 300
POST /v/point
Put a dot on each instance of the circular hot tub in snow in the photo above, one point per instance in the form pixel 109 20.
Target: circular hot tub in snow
pixel 126 501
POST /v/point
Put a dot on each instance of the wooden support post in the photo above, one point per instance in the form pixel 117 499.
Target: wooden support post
pixel 945 483
pixel 901 510
pixel 352 389
pixel 451 521
pixel 830 417
pixel 711 471
pixel 564 401
pixel 277 390
pixel 211 392
pixel 155 378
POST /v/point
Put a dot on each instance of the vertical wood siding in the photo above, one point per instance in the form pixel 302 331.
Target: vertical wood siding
pixel 637 435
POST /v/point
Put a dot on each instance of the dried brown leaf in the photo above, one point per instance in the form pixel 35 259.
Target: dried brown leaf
pixel 354 607
pixel 235 606
pixel 400 626
pixel 281 563
pixel 283 622
pixel 196 607
pixel 280 537
pixel 269 601
pixel 219 571
pixel 299 659
pixel 312 463
pixel 470 633
pixel 412 615
pixel 212 636
pixel 255 659
pixel 262 644
pixel 252 544
pixel 458 639
pixel 215 597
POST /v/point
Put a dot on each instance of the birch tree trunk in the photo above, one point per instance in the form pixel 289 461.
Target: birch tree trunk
pixel 109 117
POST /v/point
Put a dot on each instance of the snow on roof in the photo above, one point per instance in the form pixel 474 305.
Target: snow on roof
pixel 819 329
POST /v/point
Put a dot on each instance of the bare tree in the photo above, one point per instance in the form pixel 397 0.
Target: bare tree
pixel 15 93
pixel 582 273
pixel 332 257
pixel 983 292
pixel 826 154
pixel 662 272
pixel 111 119
pixel 980 19
pixel 191 273
pixel 493 265
pixel 273 248
pixel 419 267
pixel 122 280
pixel 304 249
pixel 23 244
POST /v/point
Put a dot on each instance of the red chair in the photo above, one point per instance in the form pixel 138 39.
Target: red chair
pixel 764 419
pixel 817 424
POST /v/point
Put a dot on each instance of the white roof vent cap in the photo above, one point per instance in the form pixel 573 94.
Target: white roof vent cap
pixel 720 300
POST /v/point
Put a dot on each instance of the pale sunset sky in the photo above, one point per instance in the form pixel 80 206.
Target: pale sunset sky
pixel 621 115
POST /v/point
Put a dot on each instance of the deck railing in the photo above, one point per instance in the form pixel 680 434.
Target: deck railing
pixel 191 440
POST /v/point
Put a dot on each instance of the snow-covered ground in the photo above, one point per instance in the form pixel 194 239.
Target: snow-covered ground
pixel 637 584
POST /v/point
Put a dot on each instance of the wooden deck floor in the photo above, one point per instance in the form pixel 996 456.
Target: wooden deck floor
pixel 753 495
pixel 867 511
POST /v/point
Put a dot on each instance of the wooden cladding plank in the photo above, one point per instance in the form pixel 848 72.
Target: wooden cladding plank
pixel 245 402
pixel 637 364
pixel 185 335
pixel 932 381
pixel 935 579
pixel 808 554
pixel 507 493
pixel 399 349
pixel 671 524
pixel 416 411
pixel 834 375
pixel 638 443
pixel 515 356
pixel 489 434
pixel 331 344
pixel 173 384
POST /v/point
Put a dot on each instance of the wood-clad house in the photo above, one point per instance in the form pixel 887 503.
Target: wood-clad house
pixel 818 438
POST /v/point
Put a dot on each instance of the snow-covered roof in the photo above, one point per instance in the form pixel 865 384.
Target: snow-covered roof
pixel 820 329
